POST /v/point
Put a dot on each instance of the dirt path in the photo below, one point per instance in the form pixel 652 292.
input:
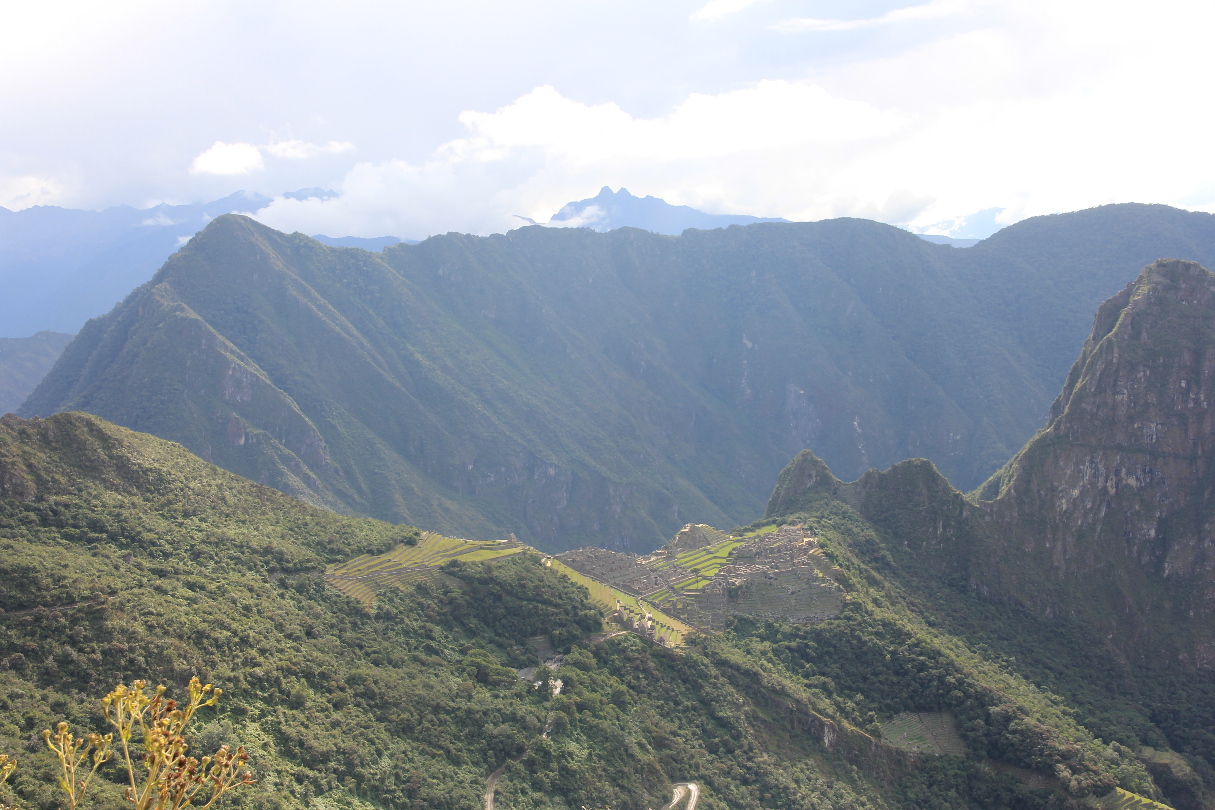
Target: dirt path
pixel 490 785
pixel 681 789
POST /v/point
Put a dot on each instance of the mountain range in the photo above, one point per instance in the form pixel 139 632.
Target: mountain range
pixel 23 364
pixel 579 388
pixel 1042 643
pixel 61 266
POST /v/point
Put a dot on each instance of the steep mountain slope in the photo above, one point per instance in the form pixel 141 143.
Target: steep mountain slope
pixel 1113 502
pixel 576 388
pixel 923 548
pixel 23 364
pixel 124 556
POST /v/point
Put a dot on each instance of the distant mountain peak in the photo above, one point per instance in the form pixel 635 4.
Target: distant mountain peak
pixel 609 210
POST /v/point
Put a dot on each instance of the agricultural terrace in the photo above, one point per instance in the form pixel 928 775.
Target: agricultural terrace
pixel 1119 799
pixel 360 577
pixel 925 732
pixel 667 629
pixel 702 563
pixel 762 530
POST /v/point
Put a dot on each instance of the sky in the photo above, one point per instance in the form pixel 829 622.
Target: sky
pixel 429 117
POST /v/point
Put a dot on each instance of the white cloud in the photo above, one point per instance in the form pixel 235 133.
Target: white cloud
pixel 228 159
pixel 242 158
pixel 929 11
pixel 933 110
pixel 770 114
pixel 588 217
pixel 28 190
pixel 294 149
pixel 715 9
pixel 543 150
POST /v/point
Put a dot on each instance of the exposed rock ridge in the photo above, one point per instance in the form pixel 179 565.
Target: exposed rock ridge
pixel 1115 498
pixel 1108 514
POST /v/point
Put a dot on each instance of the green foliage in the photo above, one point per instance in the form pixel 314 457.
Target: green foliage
pixel 519 597
pixel 127 558
pixel 122 556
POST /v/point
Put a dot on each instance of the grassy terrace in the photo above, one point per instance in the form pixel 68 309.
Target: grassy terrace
pixel 360 577
pixel 1119 799
pixel 762 530
pixel 926 732
pixel 704 562
pixel 669 628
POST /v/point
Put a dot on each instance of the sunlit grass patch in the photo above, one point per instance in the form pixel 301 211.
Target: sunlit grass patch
pixel 1119 799
pixel 925 732
pixel 360 577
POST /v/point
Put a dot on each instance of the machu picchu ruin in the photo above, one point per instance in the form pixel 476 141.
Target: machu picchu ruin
pixel 704 576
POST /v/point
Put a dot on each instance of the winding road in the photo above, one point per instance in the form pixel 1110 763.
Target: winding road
pixel 490 784
pixel 681 789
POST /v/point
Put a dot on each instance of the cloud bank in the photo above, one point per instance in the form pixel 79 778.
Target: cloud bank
pixel 919 113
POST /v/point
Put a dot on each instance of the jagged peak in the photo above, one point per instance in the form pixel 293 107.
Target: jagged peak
pixel 1149 311
pixel 805 481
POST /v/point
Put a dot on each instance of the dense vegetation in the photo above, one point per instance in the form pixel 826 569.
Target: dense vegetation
pixel 1049 693
pixel 123 556
pixel 580 388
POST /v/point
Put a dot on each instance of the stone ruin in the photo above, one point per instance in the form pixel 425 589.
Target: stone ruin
pixel 694 536
pixel 780 576
pixel 619 570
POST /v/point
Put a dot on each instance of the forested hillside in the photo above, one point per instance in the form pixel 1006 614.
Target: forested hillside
pixel 126 557
pixel 1083 564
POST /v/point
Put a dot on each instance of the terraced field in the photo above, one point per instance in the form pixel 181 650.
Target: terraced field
pixel 1119 799
pixel 361 577
pixel 701 563
pixel 925 733
pixel 668 629
pixel 771 527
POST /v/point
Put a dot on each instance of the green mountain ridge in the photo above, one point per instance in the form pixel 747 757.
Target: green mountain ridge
pixel 578 388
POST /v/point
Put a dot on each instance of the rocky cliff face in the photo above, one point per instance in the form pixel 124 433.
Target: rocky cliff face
pixel 1107 516
pixel 1113 503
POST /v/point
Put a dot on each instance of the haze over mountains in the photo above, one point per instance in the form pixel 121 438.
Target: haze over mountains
pixel 609 210
pixel 582 388
pixel 23 364
pixel 61 266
